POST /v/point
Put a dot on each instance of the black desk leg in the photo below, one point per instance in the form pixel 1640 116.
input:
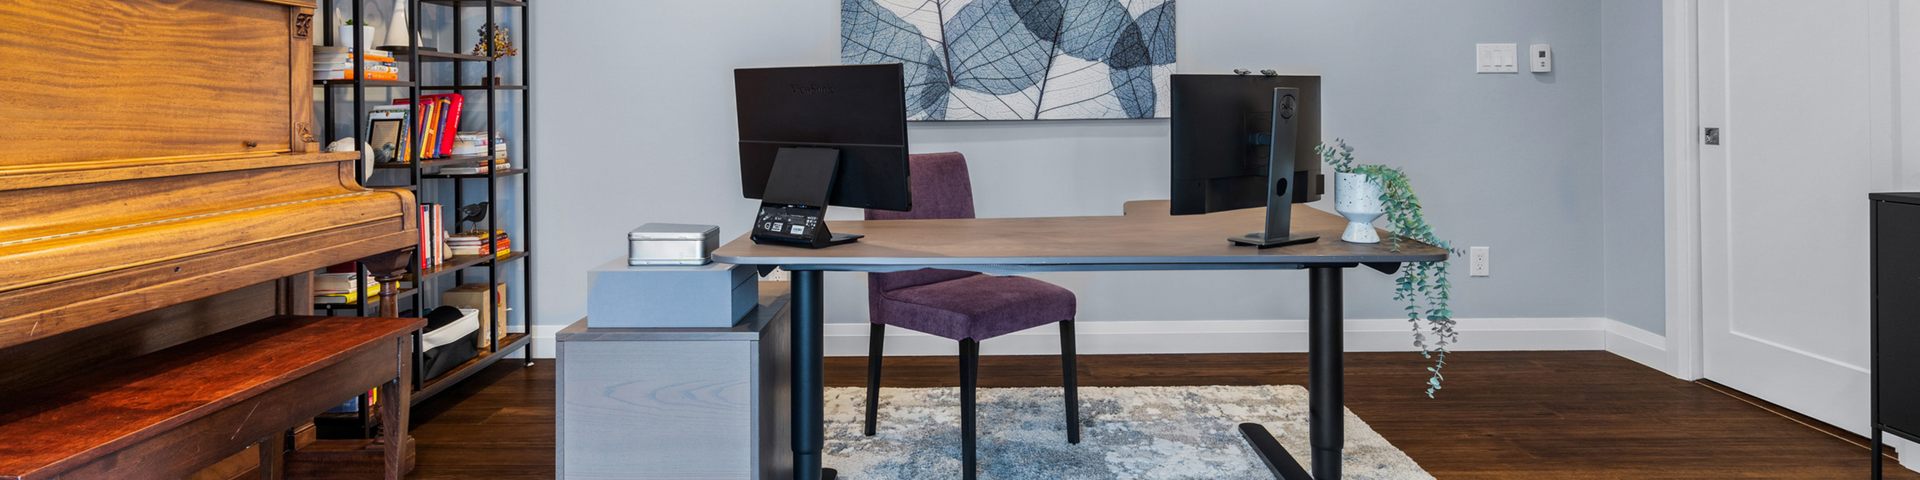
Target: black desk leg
pixel 809 387
pixel 1325 385
pixel 1877 447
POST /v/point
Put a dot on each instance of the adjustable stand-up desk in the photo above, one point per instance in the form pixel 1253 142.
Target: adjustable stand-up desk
pixel 1143 241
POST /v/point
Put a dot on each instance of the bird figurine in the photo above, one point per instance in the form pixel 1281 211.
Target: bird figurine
pixel 1242 71
pixel 473 214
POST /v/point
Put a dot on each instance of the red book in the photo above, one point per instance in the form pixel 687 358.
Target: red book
pixel 420 216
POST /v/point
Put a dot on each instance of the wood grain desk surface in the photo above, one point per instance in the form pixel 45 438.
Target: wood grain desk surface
pixel 1144 239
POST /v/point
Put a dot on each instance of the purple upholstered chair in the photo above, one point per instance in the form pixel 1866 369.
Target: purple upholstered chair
pixel 966 306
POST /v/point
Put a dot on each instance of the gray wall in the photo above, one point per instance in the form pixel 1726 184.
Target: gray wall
pixel 636 124
pixel 1632 163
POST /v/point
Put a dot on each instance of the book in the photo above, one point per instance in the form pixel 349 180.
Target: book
pixel 348 57
pixel 429 129
pixel 420 218
pixel 342 282
pixel 348 67
pixel 349 75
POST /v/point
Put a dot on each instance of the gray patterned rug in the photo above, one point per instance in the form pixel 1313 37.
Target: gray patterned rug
pixel 1127 433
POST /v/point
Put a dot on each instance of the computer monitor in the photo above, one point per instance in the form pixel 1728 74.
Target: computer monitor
pixel 1245 141
pixel 817 136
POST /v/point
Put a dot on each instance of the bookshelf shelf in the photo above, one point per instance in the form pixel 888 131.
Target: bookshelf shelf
pixel 509 258
pixel 473 87
pixel 434 162
pixel 504 172
pixel 477 3
pixel 486 109
pixel 369 83
pixel 507 344
pixel 437 56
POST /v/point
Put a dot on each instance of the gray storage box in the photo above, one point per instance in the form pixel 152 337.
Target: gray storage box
pixel 672 244
pixel 711 295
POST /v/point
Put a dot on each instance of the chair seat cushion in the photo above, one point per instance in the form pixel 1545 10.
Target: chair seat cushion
pixel 977 307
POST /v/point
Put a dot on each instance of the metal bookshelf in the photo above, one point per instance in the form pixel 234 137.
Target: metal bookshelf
pixel 422 177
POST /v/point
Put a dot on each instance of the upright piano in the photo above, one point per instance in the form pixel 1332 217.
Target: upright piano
pixel 163 204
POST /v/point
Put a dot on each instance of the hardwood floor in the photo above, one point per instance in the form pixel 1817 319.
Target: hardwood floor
pixel 1503 415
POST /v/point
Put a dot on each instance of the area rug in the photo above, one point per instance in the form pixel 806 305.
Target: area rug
pixel 1136 433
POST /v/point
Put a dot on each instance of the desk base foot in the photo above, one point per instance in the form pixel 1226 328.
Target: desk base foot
pixel 1281 463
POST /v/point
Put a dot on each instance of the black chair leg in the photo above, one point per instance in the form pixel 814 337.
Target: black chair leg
pixel 876 339
pixel 1071 375
pixel 969 374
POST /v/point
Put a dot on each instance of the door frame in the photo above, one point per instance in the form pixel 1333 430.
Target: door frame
pixel 1681 97
pixel 1681 91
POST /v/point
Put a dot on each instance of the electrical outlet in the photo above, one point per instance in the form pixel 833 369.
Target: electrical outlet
pixel 777 275
pixel 1478 258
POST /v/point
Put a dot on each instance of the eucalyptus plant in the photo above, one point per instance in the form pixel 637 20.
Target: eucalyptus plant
pixel 1423 286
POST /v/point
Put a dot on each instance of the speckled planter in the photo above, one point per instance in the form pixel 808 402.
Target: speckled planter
pixel 1357 197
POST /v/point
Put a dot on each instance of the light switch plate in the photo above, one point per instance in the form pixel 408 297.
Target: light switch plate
pixel 1496 58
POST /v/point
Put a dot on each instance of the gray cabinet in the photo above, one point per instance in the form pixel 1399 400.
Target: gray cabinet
pixel 677 403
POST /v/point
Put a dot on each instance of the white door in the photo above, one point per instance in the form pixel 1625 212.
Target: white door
pixel 1783 208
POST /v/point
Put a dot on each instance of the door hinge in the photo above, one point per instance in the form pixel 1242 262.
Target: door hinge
pixel 1713 135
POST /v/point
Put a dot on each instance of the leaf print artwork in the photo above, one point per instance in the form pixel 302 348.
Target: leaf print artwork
pixel 1018 59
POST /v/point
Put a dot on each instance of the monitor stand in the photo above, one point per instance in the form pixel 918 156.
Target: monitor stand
pixel 794 207
pixel 1280 162
pixel 1279 217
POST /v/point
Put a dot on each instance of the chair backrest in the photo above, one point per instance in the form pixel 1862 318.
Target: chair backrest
pixel 941 189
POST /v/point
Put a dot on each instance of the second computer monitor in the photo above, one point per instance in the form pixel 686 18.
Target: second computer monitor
pixel 1222 127
pixel 859 110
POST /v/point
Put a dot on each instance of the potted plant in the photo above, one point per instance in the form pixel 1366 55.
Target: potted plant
pixel 1364 192
pixel 355 36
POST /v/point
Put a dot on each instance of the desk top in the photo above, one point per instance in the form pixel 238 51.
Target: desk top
pixel 1144 239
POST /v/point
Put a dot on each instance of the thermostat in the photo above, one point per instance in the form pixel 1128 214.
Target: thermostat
pixel 1540 56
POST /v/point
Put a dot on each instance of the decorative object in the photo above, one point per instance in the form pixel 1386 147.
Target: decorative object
pixel 473 214
pixel 366 154
pixel 1422 285
pixel 1135 432
pixel 502 43
pixel 400 29
pixel 349 31
pixel 1018 59
pixel 1357 197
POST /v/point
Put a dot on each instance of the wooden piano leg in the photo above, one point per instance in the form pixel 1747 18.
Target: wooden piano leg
pixel 395 401
pixel 273 453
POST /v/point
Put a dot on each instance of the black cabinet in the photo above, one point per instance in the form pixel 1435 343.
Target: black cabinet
pixel 1896 318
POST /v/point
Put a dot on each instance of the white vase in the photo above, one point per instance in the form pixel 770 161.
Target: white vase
pixel 1357 197
pixel 397 26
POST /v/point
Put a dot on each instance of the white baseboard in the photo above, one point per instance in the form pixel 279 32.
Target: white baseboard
pixel 1641 346
pixel 1235 336
pixel 542 343
pixel 1249 336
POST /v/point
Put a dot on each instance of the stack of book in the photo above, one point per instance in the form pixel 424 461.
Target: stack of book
pixel 338 289
pixel 338 63
pixel 475 242
pixel 432 239
pixel 475 143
